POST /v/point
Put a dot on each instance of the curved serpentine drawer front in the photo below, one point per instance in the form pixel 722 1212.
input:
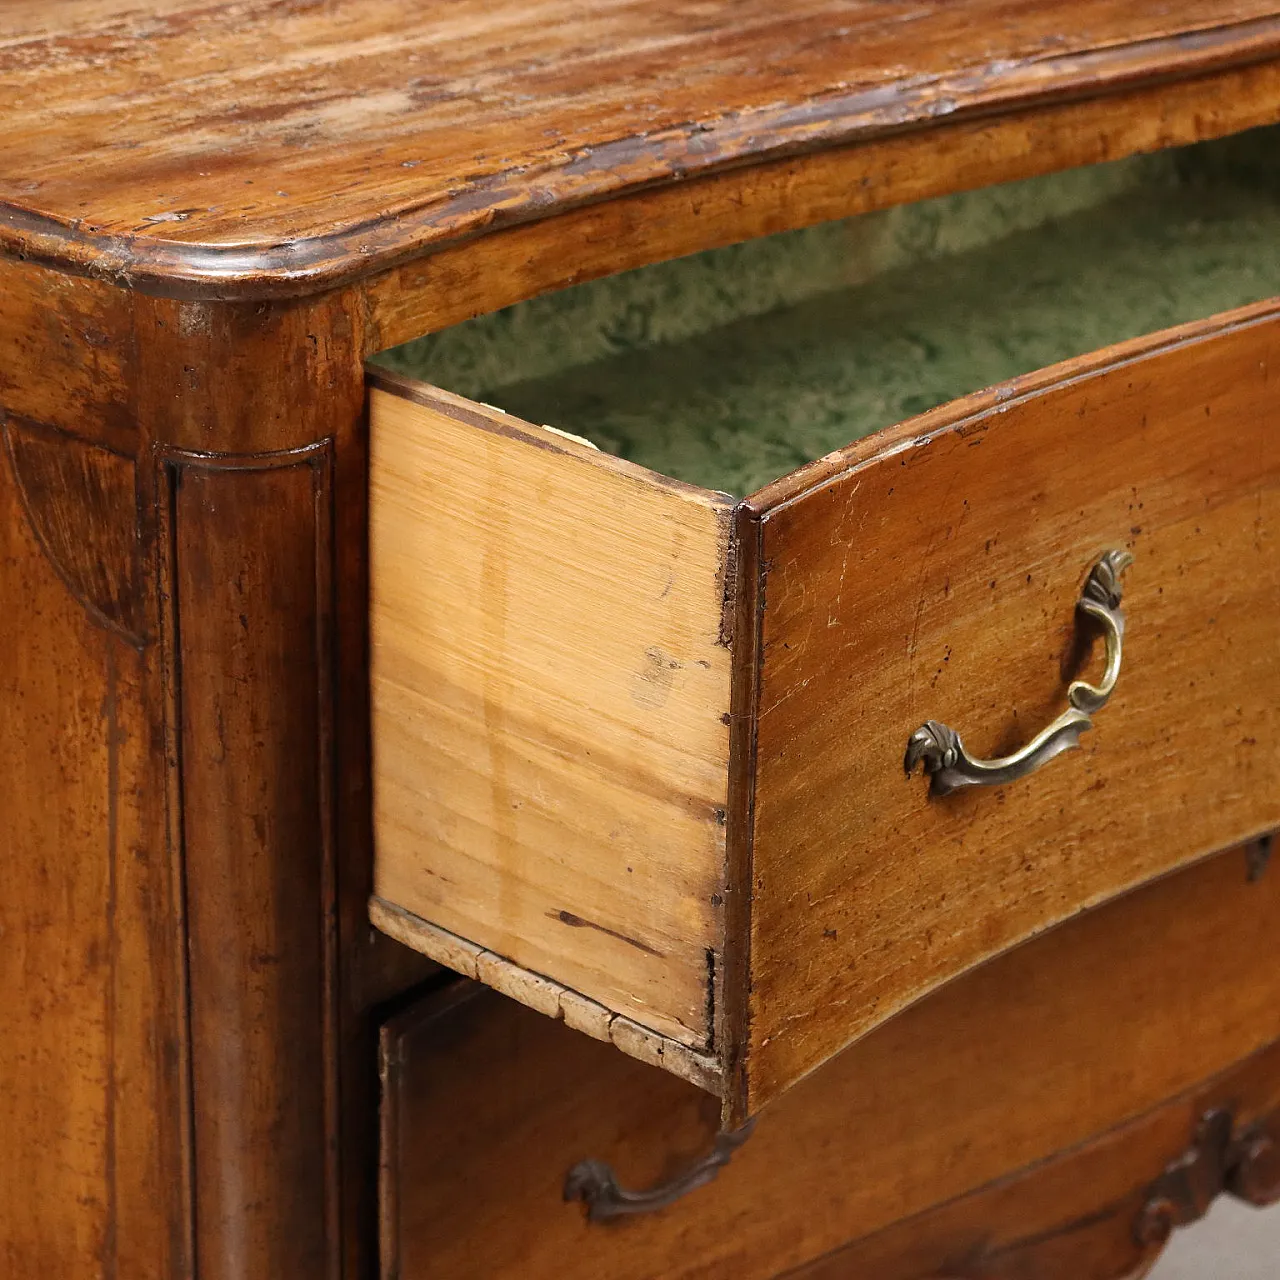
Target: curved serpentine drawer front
pixel 639 749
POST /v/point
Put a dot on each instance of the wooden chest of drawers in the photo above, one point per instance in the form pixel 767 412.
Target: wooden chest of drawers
pixel 735 720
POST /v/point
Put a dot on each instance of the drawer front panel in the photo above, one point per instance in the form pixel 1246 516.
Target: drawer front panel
pixel 932 574
pixel 487 1104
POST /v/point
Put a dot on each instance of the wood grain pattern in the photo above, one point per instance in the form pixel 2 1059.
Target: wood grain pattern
pixel 1079 1032
pixel 92 1175
pixel 549 998
pixel 101 1094
pixel 837 937
pixel 272 615
pixel 255 381
pixel 550 690
pixel 65 354
pixel 261 984
pixel 1069 1218
pixel 82 502
pixel 230 151
pixel 633 229
pixel 920 583
pixel 206 154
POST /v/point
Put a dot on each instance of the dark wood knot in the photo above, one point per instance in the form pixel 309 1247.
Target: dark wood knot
pixel 1258 856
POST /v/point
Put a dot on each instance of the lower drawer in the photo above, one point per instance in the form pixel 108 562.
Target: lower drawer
pixel 487 1105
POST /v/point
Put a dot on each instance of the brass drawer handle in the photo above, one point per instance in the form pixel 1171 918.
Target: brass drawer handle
pixel 596 1185
pixel 938 746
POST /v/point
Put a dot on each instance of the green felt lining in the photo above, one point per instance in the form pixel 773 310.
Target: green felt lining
pixel 730 368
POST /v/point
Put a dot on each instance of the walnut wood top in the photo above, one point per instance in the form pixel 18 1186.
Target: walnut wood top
pixel 244 149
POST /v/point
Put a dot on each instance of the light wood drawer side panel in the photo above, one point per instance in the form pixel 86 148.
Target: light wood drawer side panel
pixel 550 698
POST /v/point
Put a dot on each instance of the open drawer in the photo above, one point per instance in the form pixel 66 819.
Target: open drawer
pixel 639 746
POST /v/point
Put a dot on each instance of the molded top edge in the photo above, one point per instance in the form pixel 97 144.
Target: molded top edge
pixel 283 148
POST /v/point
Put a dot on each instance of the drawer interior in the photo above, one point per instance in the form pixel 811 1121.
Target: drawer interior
pixel 730 368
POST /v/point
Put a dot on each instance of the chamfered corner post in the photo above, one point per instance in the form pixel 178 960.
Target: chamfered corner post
pixel 253 413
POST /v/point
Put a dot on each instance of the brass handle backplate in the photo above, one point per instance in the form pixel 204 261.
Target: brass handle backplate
pixel 939 749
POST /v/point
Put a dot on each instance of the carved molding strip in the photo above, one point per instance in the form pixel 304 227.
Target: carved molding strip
pixel 1219 1161
pixel 246 583
pixel 1255 1173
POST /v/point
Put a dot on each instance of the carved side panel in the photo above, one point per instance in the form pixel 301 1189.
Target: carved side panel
pixel 1255 1173
pixel 1223 1159
pixel 81 501
pixel 91 1161
pixel 246 576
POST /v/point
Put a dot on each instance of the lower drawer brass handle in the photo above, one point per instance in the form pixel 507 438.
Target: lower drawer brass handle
pixel 939 749
pixel 596 1185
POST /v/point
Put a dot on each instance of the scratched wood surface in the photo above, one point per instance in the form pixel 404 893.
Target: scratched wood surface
pixel 187 954
pixel 91 1177
pixel 1071 1217
pixel 932 573
pixel 864 894
pixel 550 697
pixel 475 276
pixel 1082 1031
pixel 151 145
pixel 234 143
pixel 92 1181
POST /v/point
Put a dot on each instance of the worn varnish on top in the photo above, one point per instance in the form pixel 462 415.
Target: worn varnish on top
pixel 233 149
